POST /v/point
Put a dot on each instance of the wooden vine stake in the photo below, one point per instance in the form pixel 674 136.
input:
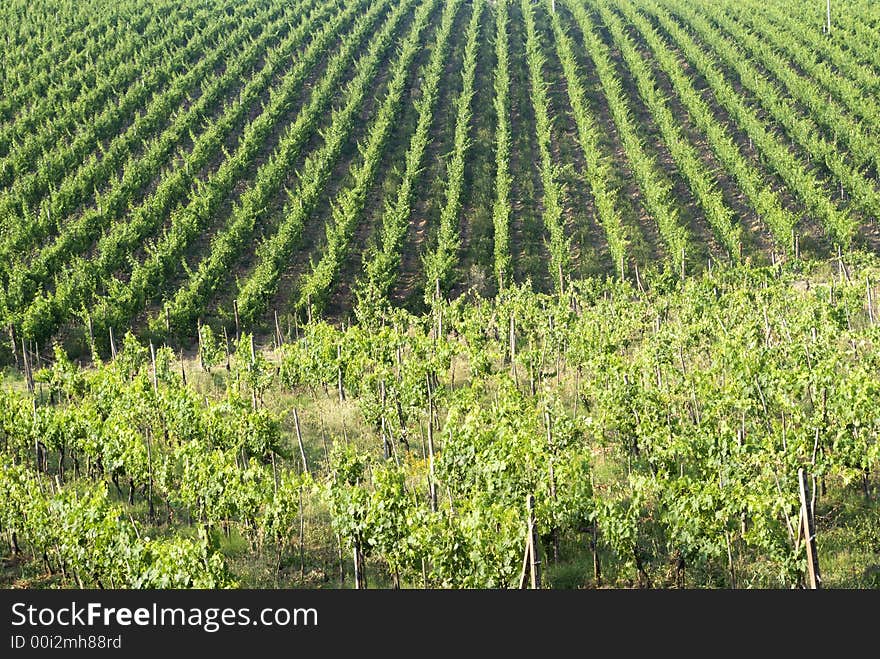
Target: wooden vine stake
pixel 237 326
pixel 299 439
pixel 432 486
pixel 814 578
pixel 278 336
pixel 14 347
pixel 682 263
pixel 253 362
pixel 112 344
pixel 201 350
pixel 555 530
pixel 513 350
pixel 28 372
pixel 339 374
pixel 360 581
pixel 226 347
pixel 153 362
pixel 531 570
pixel 152 509
pixel 841 266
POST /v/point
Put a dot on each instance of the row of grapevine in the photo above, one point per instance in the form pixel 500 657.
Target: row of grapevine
pixel 655 190
pixel 762 197
pixel 838 224
pixel 163 253
pixel 438 264
pixel 92 543
pixel 76 284
pixel 348 208
pixel 273 253
pixel 852 31
pixel 684 154
pixel 381 261
pixel 559 245
pixel 162 116
pixel 598 167
pixel 58 85
pixel 135 419
pixel 501 100
pixel 27 44
pixel 852 133
pixel 801 181
pixel 849 81
pixel 54 82
pixel 57 158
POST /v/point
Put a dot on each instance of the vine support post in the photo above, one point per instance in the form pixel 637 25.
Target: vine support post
pixel 814 578
pixel 299 439
pixel 153 362
pixel 14 347
pixel 152 510
pixel 91 329
pixel 594 545
pixel 439 329
pixel 302 535
pixel 339 374
pixel 360 581
pixel 827 16
pixel 28 371
pixel 226 347
pixel 513 349
pixel 531 570
pixel 869 293
pixel 555 530
pixel 201 351
pixel 253 362
pixel 182 368
pixel 432 486
pixel 112 344
pixel 386 447
pixel 341 562
pixel 237 324
pixel 639 279
pixel 279 339
pixel 841 266
pixel 37 452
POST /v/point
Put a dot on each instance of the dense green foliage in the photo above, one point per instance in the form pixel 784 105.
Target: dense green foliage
pixel 665 426
pixel 331 281
pixel 168 164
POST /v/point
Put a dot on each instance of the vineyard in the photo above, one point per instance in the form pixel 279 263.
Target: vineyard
pixel 440 293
